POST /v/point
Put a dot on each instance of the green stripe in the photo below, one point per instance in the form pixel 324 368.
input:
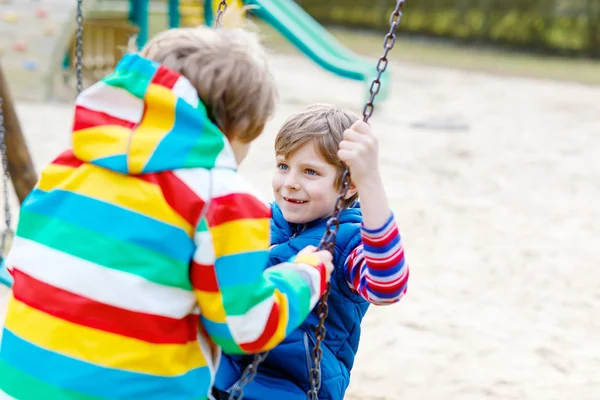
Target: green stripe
pixel 229 346
pixel 21 386
pixel 103 250
pixel 131 81
pixel 298 292
pixel 208 146
pixel 237 300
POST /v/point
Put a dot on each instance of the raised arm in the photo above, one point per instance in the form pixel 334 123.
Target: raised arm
pixel 245 308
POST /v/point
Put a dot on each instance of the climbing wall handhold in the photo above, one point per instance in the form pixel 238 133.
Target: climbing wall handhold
pixel 49 31
pixel 41 13
pixel 10 17
pixel 31 65
pixel 20 46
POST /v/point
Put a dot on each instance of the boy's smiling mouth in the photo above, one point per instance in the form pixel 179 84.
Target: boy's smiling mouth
pixel 294 201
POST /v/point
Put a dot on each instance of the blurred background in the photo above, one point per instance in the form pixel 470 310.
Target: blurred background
pixel 489 129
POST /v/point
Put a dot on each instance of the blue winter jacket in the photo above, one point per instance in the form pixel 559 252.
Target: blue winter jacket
pixel 285 372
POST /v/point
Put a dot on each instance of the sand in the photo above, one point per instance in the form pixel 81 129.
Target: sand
pixel 501 224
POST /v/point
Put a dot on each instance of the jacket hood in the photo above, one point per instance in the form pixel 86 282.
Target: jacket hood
pixel 146 118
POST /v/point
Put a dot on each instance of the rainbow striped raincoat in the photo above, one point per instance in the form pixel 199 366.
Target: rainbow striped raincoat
pixel 140 254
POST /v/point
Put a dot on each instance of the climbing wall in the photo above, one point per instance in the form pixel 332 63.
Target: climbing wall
pixel 34 35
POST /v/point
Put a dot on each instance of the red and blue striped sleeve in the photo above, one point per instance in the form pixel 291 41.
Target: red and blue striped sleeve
pixel 377 269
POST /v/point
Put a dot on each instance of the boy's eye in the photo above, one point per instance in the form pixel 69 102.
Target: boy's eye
pixel 311 172
pixel 283 166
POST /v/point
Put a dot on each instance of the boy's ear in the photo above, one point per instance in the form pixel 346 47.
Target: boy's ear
pixel 352 190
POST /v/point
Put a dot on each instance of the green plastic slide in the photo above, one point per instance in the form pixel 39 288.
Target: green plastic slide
pixel 316 42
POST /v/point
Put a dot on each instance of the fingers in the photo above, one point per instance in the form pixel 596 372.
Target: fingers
pixel 308 250
pixel 346 155
pixel 361 126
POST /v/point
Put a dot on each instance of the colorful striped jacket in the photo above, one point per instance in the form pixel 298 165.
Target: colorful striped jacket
pixel 141 254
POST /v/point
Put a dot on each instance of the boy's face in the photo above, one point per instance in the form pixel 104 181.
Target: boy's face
pixel 303 185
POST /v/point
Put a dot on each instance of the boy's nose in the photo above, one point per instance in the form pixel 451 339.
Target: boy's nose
pixel 289 184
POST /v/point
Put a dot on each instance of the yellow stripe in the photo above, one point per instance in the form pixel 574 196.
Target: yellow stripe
pixel 122 190
pixel 250 235
pixel 308 259
pixel 211 305
pixel 158 121
pixel 99 347
pixel 114 140
pixel 283 322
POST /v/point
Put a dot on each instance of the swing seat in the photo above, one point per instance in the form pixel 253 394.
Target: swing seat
pixel 5 278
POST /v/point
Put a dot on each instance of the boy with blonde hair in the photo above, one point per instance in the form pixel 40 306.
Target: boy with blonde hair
pixel 141 252
pixel 312 149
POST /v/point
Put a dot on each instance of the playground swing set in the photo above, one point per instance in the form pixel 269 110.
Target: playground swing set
pixel 327 241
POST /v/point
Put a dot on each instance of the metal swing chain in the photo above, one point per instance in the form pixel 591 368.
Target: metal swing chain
pixel 330 236
pixel 6 181
pixel 220 11
pixel 79 47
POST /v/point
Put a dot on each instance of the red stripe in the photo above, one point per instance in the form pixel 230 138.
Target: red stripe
pixel 387 287
pixel 383 240
pixel 86 312
pixel 86 118
pixel 178 195
pixel 68 159
pixel 385 263
pixel 165 77
pixel 270 329
pixel 204 277
pixel 234 207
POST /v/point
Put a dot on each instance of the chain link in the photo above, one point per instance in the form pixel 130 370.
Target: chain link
pixel 329 238
pixel 220 11
pixel 7 232
pixel 79 46
pixel 333 224
pixel 388 44
pixel 238 390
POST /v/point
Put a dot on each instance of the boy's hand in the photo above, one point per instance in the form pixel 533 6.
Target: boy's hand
pixel 323 256
pixel 360 151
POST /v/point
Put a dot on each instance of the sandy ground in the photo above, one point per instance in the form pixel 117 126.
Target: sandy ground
pixel 501 223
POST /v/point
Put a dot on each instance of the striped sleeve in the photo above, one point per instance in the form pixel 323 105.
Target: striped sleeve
pixel 245 308
pixel 377 269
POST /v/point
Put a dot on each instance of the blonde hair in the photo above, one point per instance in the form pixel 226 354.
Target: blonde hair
pixel 228 68
pixel 323 125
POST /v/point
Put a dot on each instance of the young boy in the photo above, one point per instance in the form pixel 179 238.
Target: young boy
pixel 141 253
pixel 311 148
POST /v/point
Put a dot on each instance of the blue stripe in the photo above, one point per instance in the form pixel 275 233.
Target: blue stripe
pixel 71 374
pixel 394 242
pixel 132 62
pixel 380 230
pixel 240 269
pixel 387 296
pixel 113 221
pixel 217 329
pixel 116 163
pixel 183 137
pixel 383 273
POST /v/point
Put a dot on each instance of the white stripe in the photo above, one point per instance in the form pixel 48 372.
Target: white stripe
pixel 4 396
pixel 379 256
pixel 386 280
pixel 205 253
pixel 101 284
pixel 113 101
pixel 227 181
pixel 185 90
pixel 196 179
pixel 247 328
pixel 226 158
